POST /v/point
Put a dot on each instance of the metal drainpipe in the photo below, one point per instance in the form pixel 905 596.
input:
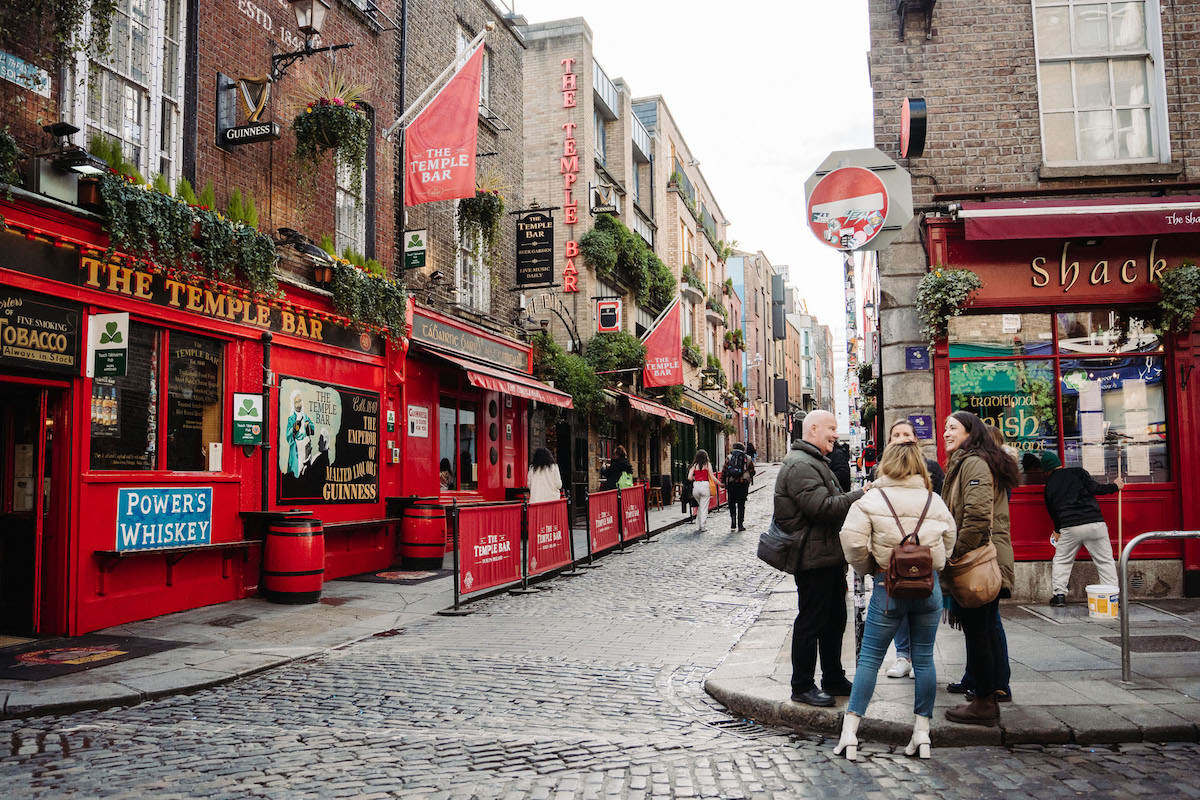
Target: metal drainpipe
pixel 266 445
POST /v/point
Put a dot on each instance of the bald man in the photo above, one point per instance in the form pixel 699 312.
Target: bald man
pixel 810 503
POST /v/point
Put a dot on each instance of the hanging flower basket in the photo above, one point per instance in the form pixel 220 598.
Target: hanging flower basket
pixel 944 293
pixel 482 214
pixel 334 125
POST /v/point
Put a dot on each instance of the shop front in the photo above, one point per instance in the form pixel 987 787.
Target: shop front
pixel 464 406
pixel 1056 350
pixel 707 434
pixel 649 446
pixel 139 446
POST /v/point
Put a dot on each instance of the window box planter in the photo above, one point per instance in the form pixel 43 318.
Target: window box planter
pixel 714 316
pixel 693 294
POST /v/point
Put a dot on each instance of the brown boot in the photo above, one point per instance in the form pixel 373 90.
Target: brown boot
pixel 980 711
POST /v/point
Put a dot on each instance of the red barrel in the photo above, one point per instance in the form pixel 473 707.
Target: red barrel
pixel 423 536
pixel 294 560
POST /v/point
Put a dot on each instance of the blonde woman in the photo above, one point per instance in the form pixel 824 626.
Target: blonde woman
pixel 868 536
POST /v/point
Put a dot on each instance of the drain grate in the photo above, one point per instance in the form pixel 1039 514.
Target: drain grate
pixel 741 726
pixel 1158 644
pixel 229 621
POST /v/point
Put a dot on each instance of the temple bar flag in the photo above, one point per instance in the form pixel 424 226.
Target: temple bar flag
pixel 440 144
pixel 664 351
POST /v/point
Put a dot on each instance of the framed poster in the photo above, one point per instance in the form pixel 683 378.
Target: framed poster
pixel 328 441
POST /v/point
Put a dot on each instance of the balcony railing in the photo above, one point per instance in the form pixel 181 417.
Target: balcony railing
pixel 680 179
pixel 641 140
pixel 606 93
pixel 642 229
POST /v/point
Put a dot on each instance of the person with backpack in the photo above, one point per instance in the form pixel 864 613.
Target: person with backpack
pixel 737 475
pixel 901 533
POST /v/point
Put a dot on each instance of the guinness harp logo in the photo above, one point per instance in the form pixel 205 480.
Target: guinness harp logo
pixel 255 93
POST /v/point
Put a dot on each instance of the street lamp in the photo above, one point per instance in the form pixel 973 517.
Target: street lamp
pixel 310 18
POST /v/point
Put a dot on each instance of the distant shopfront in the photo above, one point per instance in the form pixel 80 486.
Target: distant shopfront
pixel 1055 352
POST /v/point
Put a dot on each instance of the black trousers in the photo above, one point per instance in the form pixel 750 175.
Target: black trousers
pixel 983 645
pixel 737 504
pixel 820 626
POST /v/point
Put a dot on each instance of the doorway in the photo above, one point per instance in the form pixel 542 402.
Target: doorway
pixel 34 486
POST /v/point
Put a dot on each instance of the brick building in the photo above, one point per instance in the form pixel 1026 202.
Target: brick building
pixel 1058 167
pixel 767 426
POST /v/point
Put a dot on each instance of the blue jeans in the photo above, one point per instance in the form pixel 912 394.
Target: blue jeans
pixel 884 615
pixel 903 644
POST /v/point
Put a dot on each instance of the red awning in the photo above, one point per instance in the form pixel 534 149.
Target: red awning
pixel 513 383
pixel 657 409
pixel 1080 218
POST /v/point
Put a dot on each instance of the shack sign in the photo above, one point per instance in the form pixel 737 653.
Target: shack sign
pixel 842 208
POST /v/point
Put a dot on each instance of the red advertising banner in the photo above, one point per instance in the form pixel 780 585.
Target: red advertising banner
pixel 440 144
pixel 664 352
pixel 603 508
pixel 633 512
pixel 549 537
pixel 489 546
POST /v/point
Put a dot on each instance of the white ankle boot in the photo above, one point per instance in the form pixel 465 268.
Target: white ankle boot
pixel 920 737
pixel 849 740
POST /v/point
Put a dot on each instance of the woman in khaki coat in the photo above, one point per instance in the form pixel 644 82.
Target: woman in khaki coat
pixel 869 534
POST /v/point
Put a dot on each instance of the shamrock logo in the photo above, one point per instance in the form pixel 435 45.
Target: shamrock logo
pixel 247 409
pixel 110 334
pixel 415 241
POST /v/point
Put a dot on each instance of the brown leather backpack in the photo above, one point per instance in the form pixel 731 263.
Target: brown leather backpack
pixel 909 573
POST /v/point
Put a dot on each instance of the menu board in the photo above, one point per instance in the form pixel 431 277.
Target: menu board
pixel 328 442
pixel 194 401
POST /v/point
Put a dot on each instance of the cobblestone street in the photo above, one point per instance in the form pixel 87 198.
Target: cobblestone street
pixel 591 688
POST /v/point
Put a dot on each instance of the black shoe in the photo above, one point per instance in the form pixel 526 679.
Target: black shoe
pixel 813 697
pixel 999 695
pixel 837 689
pixel 957 688
pixel 741 527
pixel 1058 601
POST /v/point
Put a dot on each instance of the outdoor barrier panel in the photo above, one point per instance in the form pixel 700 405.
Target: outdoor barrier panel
pixel 633 512
pixel 489 546
pixel 603 510
pixel 549 544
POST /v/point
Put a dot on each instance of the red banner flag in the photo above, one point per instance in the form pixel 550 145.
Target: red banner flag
pixel 549 537
pixel 602 520
pixel 489 546
pixel 664 352
pixel 440 144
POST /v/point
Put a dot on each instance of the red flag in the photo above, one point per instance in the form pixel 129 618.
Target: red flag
pixel 664 352
pixel 439 145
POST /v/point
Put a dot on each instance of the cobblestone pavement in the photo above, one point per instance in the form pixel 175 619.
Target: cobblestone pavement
pixel 592 688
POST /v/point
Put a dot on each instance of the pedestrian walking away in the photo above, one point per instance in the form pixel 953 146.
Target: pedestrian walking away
pixel 752 451
pixel 978 475
pixel 737 475
pixel 545 481
pixel 1070 496
pixel 810 505
pixel 900 504
pixel 704 485
pixel 902 430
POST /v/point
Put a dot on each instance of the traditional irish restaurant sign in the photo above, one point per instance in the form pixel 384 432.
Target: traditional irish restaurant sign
pixel 36 335
pixel 461 342
pixel 163 517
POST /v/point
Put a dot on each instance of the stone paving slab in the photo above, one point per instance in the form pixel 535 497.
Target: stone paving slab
pixel 1065 681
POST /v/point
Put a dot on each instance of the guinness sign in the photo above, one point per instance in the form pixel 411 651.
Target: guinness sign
pixel 603 199
pixel 248 134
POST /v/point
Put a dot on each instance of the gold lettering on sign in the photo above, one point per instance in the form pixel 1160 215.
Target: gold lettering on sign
pixel 1040 276
pixel 1099 273
pixel 1062 270
pixel 1126 278
pixel 1156 267
pixel 1070 271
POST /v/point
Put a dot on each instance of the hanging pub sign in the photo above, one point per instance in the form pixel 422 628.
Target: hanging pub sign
pixel 604 200
pixel 255 92
pixel 416 243
pixel 535 249
pixel 608 315
pixel 247 419
pixel 108 342
pixel 36 335
pixel 328 443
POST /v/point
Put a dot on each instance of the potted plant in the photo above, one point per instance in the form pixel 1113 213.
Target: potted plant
pixel 944 293
pixel 479 217
pixel 332 120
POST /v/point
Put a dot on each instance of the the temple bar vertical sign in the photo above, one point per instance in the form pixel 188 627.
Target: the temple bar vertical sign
pixel 535 249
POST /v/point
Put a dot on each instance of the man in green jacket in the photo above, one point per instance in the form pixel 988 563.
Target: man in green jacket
pixel 810 504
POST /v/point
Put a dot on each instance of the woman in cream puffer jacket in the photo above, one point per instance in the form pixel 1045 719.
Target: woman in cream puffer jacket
pixel 868 536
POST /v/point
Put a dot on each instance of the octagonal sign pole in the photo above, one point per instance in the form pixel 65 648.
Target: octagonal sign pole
pixel 843 204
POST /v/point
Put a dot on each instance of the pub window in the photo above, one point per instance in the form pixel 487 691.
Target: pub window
pixel 1100 84
pixel 485 75
pixel 472 275
pixel 1086 385
pixel 457 446
pixel 135 427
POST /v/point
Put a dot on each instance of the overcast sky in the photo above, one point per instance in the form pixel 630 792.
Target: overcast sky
pixel 762 91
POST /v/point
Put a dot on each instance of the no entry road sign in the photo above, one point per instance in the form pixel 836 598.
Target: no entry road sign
pixel 847 207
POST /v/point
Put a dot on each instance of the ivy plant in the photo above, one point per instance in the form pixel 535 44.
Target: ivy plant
pixel 569 372
pixel 1180 297
pixel 612 249
pixel 691 352
pixel 369 297
pixel 944 293
pixel 10 154
pixel 48 31
pixel 479 222
pixel 613 351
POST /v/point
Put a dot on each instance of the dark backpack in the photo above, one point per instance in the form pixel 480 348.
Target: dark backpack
pixel 910 571
pixel 736 466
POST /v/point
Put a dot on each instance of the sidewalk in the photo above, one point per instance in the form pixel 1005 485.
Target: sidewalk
pixel 207 646
pixel 1066 678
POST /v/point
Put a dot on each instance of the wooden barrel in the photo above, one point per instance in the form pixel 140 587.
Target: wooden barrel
pixel 294 560
pixel 423 536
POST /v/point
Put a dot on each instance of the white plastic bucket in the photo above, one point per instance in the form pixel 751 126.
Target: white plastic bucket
pixel 1104 601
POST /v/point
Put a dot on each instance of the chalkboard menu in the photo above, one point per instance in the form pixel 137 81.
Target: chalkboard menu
pixel 328 443
pixel 193 400
pixel 38 336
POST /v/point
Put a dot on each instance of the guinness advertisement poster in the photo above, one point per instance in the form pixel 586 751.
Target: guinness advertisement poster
pixel 535 249
pixel 328 444
pixel 36 335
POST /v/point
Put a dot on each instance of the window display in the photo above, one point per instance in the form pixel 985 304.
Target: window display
pixel 193 401
pixel 125 409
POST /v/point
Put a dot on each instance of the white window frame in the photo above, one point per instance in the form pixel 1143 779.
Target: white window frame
pixel 485 73
pixel 153 91
pixel 352 209
pixel 472 276
pixel 1160 134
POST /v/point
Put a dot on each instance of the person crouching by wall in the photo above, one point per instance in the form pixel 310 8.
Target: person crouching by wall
pixel 1070 496
pixel 901 502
